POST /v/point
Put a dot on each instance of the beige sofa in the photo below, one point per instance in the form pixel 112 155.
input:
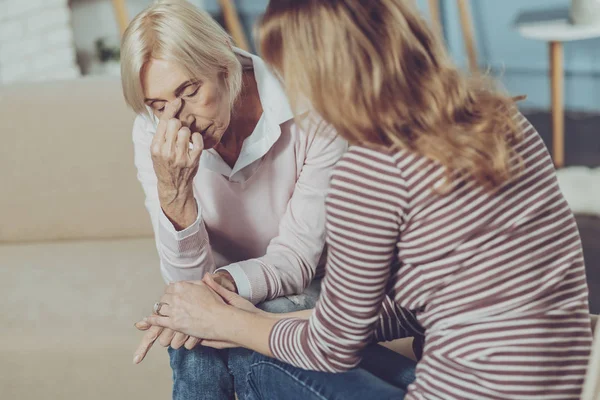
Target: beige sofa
pixel 77 261
pixel 78 264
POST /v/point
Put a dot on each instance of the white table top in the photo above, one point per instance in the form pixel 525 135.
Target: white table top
pixel 558 29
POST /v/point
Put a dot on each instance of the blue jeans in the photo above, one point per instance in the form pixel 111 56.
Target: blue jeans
pixel 383 374
pixel 206 373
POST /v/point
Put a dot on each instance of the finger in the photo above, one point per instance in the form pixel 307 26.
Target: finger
pixel 227 295
pixel 165 310
pixel 146 343
pixel 179 340
pixel 168 299
pixel 182 144
pixel 191 342
pixel 217 344
pixel 166 337
pixel 142 325
pixel 169 112
pixel 157 320
pixel 198 146
pixel 173 126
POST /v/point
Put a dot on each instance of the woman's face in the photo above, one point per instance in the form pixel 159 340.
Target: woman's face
pixel 205 105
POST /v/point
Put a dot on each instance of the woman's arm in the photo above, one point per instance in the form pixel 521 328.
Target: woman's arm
pixel 394 322
pixel 364 211
pixel 292 256
pixel 184 251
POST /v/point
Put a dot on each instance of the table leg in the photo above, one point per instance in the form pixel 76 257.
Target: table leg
pixel 466 22
pixel 233 24
pixel 121 14
pixel 558 114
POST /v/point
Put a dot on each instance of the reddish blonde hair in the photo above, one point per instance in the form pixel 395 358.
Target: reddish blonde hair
pixel 378 74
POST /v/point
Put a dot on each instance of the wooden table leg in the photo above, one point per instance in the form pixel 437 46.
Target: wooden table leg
pixel 466 23
pixel 233 24
pixel 121 14
pixel 558 114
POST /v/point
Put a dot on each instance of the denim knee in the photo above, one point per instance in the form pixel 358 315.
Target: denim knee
pixel 201 373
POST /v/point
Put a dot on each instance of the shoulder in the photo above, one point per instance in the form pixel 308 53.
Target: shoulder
pixel 370 178
pixel 369 168
pixel 375 158
pixel 312 136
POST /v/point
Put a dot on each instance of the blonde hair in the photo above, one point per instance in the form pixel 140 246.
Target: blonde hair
pixel 177 31
pixel 378 74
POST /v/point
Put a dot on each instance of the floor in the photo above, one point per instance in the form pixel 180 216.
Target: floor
pixel 582 147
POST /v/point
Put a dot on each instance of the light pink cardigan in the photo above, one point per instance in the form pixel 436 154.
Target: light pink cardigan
pixel 263 220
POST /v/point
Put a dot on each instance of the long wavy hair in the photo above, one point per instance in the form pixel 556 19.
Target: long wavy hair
pixel 377 73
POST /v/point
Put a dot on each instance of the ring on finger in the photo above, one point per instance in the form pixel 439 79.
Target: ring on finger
pixel 158 306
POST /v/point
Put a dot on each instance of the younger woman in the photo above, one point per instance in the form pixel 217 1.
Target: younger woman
pixel 447 202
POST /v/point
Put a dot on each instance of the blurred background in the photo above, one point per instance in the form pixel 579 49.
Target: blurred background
pixel 77 260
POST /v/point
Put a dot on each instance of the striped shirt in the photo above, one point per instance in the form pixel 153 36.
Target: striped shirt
pixel 496 279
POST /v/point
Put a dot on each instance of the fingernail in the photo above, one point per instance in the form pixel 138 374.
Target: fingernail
pixel 137 359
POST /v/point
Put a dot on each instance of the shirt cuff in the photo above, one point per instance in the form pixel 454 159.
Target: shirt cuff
pixel 252 274
pixel 240 278
pixel 180 235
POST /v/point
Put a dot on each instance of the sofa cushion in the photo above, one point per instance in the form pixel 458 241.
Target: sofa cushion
pixel 66 162
pixel 67 321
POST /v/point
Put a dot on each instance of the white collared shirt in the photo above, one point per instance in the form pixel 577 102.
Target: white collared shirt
pixel 262 220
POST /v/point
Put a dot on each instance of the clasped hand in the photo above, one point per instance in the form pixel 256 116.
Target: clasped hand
pixel 191 310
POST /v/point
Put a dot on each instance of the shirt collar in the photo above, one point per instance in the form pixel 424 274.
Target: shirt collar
pixel 272 96
pixel 276 111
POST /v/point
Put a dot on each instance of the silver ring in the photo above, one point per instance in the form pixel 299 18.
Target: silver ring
pixel 157 307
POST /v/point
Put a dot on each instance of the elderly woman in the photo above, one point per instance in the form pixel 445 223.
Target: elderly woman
pixel 233 185
pixel 447 202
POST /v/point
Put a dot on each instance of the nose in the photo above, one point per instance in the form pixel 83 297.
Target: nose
pixel 184 115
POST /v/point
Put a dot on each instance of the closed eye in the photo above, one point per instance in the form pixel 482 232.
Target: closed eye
pixel 191 91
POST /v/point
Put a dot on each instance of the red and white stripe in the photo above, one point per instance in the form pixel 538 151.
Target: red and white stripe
pixel 496 279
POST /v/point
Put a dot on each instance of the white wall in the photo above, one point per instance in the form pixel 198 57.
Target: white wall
pixel 36 41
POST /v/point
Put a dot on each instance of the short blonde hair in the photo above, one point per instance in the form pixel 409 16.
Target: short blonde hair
pixel 177 31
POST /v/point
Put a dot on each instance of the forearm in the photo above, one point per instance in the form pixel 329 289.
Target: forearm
pixel 302 314
pixel 249 330
pixel 253 330
pixel 180 209
pixel 271 276
pixel 181 237
pixel 185 254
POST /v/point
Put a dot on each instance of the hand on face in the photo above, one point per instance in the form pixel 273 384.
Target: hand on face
pixel 205 103
pixel 174 162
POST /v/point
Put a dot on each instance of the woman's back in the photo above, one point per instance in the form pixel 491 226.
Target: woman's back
pixel 496 278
